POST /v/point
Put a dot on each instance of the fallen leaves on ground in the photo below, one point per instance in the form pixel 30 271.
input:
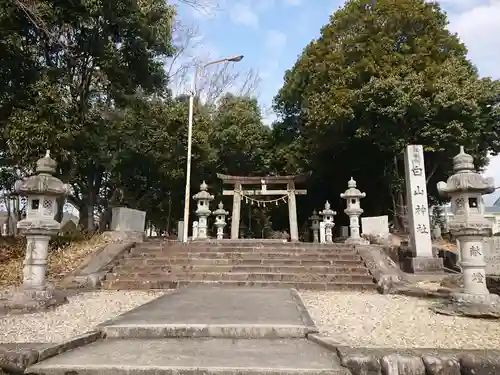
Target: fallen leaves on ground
pixel 65 255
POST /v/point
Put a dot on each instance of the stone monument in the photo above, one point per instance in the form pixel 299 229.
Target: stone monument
pixel 423 260
pixel 42 191
pixel 353 196
pixel 127 224
pixel 468 224
pixel 203 199
pixel 322 237
pixel 195 230
pixel 315 218
pixel 328 215
pixel 220 220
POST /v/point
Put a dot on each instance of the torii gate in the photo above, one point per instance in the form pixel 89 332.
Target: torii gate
pixel 238 193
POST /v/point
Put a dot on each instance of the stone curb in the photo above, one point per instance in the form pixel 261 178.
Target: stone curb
pixel 16 361
pixel 164 370
pixel 385 272
pixel 413 361
pixel 96 268
pixel 234 331
pixel 304 313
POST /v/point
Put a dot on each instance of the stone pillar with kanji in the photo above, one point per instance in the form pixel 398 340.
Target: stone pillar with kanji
pixel 422 259
pixel 353 196
pixel 315 218
pixel 328 215
pixel 203 198
pixel 468 224
pixel 220 220
pixel 42 191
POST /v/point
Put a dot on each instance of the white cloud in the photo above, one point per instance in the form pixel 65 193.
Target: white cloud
pixel 275 41
pixel 242 14
pixel 479 28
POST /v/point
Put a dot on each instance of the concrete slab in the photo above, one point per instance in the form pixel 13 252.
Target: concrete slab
pixel 216 312
pixel 190 357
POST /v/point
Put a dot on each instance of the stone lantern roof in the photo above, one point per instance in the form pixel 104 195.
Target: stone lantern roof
pixel 465 179
pixel 463 162
pixel 220 210
pixel 203 194
pixel 352 191
pixel 315 216
pixel 327 210
pixel 43 183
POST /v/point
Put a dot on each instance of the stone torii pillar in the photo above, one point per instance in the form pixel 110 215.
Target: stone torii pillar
pixel 292 212
pixel 235 217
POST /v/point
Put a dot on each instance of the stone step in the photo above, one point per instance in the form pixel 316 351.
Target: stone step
pixel 246 255
pixel 349 269
pixel 242 276
pixel 209 356
pixel 163 261
pixel 301 246
pixel 245 250
pixel 127 284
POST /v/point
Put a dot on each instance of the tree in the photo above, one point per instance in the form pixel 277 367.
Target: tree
pixel 90 57
pixel 240 138
pixel 384 74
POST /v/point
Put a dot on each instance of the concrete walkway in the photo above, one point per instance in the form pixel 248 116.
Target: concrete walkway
pixel 205 331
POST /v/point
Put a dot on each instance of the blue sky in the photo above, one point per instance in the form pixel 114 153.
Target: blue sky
pixel 272 34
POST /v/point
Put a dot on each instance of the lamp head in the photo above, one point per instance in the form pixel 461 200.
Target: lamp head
pixel 236 58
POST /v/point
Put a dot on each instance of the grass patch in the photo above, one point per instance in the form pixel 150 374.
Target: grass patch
pixel 66 253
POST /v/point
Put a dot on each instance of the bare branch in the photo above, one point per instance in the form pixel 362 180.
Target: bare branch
pixel 204 6
pixel 215 82
pixel 249 84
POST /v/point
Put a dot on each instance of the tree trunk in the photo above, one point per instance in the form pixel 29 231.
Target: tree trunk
pixel 60 209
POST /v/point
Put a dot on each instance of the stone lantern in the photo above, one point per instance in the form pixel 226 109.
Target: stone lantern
pixel 203 199
pixel 315 218
pixel 328 215
pixel 220 220
pixel 353 196
pixel 42 191
pixel 465 188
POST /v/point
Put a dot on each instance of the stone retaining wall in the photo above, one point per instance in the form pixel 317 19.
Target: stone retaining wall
pixel 387 361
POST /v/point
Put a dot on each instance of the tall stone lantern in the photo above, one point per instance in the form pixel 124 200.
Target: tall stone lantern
pixel 468 224
pixel 353 196
pixel 220 220
pixel 203 199
pixel 42 191
pixel 315 218
pixel 328 215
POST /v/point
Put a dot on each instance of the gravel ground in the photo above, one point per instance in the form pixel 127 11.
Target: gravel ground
pixel 374 320
pixel 81 314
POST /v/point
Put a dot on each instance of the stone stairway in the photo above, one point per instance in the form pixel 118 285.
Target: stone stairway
pixel 167 265
pixel 204 331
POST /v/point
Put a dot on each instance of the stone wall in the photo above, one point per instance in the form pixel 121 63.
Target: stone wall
pixel 390 361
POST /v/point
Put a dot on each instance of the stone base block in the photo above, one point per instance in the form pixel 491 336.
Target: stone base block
pixel 125 236
pixel 471 305
pixel 356 241
pixel 423 265
pixel 23 300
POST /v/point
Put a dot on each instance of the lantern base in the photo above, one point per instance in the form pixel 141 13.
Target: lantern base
pixel 22 300
pixel 422 265
pixel 471 305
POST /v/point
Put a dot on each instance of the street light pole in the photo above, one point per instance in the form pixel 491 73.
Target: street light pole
pixel 187 193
